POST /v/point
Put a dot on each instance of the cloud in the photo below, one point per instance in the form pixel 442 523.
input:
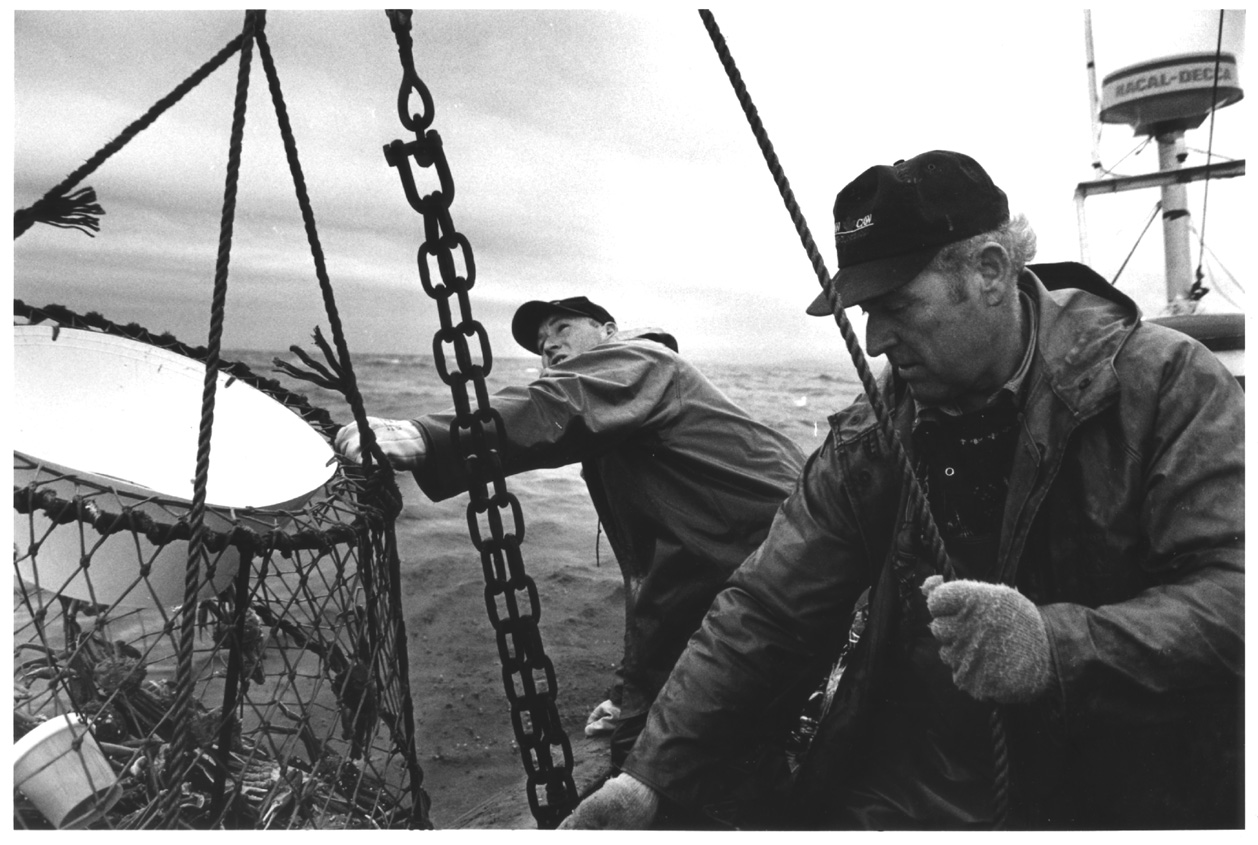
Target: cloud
pixel 599 152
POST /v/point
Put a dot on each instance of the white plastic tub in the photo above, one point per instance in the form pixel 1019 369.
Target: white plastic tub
pixel 118 420
pixel 72 786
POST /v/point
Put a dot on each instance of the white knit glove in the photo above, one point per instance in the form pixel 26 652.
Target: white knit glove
pixel 623 803
pixel 992 637
pixel 401 441
pixel 602 719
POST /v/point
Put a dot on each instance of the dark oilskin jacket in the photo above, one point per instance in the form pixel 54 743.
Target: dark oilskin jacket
pixel 1124 524
pixel 684 481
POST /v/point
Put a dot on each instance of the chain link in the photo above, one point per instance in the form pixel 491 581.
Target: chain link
pixel 495 518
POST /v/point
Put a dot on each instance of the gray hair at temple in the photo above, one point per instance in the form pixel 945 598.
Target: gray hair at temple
pixel 1016 236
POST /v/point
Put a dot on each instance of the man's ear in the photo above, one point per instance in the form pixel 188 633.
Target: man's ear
pixel 608 329
pixel 996 273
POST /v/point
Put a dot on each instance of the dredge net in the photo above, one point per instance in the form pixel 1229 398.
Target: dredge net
pixel 300 712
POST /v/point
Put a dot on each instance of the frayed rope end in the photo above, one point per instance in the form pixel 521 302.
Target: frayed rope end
pixel 78 210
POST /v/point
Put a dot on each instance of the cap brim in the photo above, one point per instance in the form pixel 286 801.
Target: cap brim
pixel 529 318
pixel 869 279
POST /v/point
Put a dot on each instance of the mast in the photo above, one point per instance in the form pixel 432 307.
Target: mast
pixel 1162 99
pixel 1176 240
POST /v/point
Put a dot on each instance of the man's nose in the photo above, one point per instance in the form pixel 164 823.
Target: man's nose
pixel 878 336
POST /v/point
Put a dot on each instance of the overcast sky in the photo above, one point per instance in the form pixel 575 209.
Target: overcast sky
pixel 593 152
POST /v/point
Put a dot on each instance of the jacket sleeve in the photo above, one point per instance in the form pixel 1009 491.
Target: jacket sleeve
pixel 1145 658
pixel 593 402
pixel 782 615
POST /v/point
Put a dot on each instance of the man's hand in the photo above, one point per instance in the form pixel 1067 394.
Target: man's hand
pixel 401 441
pixel 992 637
pixel 623 803
pixel 602 719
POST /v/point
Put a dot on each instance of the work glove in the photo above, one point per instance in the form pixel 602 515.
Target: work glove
pixel 401 441
pixel 992 638
pixel 623 803
pixel 602 719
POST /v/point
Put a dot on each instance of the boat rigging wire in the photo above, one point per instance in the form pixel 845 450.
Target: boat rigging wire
pixel 1219 156
pixel 1134 151
pixel 920 508
pixel 1157 207
pixel 1226 274
pixel 1197 291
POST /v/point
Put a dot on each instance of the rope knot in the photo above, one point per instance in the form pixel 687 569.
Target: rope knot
pixel 380 491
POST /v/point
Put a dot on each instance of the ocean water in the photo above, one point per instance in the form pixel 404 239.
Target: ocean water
pixel 463 730
pixel 795 398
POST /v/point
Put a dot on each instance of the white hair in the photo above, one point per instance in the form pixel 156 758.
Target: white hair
pixel 1015 235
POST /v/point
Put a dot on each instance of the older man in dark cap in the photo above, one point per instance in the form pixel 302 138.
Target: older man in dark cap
pixel 1085 472
pixel 685 483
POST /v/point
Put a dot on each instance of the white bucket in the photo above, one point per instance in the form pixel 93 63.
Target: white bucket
pixel 118 421
pixel 71 786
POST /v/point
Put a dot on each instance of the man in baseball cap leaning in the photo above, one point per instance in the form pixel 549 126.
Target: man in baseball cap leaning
pixel 1085 473
pixel 685 483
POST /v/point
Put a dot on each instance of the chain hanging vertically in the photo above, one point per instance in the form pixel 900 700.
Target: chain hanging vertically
pixel 477 433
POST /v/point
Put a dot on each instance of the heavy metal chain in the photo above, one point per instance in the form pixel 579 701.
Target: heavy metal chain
pixel 477 433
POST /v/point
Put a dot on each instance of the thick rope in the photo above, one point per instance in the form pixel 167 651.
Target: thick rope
pixel 52 207
pixel 382 479
pixel 192 581
pixel 918 504
pixel 917 497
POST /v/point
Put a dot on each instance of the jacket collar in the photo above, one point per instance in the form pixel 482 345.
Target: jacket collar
pixel 647 333
pixel 1080 333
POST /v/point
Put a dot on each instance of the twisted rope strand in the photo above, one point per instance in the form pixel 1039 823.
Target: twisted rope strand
pixel 192 580
pixel 917 496
pixel 27 217
pixel 349 386
pixel 921 510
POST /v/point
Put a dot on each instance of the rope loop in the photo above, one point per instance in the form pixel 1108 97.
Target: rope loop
pixel 400 21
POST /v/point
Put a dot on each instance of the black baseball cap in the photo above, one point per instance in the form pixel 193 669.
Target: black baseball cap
pixel 890 221
pixel 529 317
